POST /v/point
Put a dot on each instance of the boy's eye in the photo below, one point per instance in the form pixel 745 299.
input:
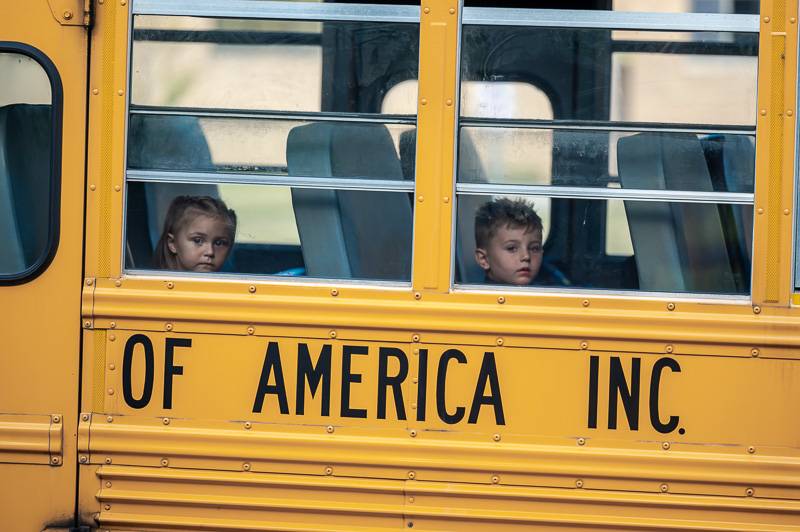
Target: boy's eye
pixel 536 248
pixel 511 248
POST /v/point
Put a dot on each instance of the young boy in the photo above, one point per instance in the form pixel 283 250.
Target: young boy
pixel 508 238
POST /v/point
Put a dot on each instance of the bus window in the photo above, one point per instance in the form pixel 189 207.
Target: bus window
pixel 619 133
pixel 283 121
pixel 29 175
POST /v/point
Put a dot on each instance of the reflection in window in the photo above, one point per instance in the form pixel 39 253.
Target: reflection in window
pixel 26 165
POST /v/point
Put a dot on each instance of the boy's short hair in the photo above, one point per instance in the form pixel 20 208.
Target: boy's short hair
pixel 501 212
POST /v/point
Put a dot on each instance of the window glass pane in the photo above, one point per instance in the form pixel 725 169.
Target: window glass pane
pixel 677 247
pixel 26 165
pixel 256 146
pixel 297 232
pixel 715 162
pixel 343 67
pixel 675 77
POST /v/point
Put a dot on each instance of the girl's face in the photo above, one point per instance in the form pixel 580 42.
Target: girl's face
pixel 201 244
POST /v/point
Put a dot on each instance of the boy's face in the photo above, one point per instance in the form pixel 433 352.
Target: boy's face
pixel 201 245
pixel 512 256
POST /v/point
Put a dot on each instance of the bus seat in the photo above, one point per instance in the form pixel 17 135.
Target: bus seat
pixel 338 230
pixel 174 143
pixel 470 170
pixel 25 173
pixel 677 246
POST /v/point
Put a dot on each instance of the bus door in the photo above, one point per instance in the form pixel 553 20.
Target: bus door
pixel 43 65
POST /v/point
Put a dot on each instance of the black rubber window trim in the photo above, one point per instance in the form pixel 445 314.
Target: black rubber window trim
pixel 57 109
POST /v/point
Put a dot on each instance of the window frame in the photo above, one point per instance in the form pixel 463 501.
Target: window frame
pixel 54 212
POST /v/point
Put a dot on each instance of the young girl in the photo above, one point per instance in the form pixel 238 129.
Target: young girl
pixel 198 235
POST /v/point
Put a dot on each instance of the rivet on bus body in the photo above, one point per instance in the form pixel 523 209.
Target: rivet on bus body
pixel 417 296
pixel 766 20
pixel 670 306
pixel 792 20
pixel 426 10
pixel 448 102
pixel 332 334
pixel 415 338
pixel 164 462
pixel 168 326
pixel 87 324
pixel 496 437
pixel 334 292
pixel 664 488
pixel 413 406
pixel 248 425
pixel 411 499
pixel 415 380
pixel 117 188
pixel 170 285
pixel 763 112
pixel 584 345
pixel 112 367
pixel 751 450
pixel 55 460
pixel 579 483
pixel 754 352
pixel 412 433
pixel 495 479
pixel 246 466
pixel 120 92
pixel 786 212
pixel 92 187
pixel 108 484
pixel 669 349
pixel 100 1
pixel 165 421
pixel 452 11
pixel 415 351
pixel 760 210
pixel 123 2
pixel 446 199
pixel 501 300
pixel 67 15
pixel 412 475
pixel 421 199
pixel 111 337
pixel 83 459
pixel 250 330
pixel 500 341
pixel 424 101
pixel 117 283
pixel 89 282
pixel 113 324
pixel 329 471
pixel 252 289
pixel 789 112
pixel 410 524
pixel 109 419
pixel 757 309
pixel 665 446
pixel 108 460
pixel 749 492
pixel 111 391
pixel 85 417
pixel 585 303
pixel 329 429
pixel 581 441
pixel 107 507
pixel 95 91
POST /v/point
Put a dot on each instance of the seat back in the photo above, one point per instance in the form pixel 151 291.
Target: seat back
pixel 350 234
pixel 677 246
pixel 470 170
pixel 25 173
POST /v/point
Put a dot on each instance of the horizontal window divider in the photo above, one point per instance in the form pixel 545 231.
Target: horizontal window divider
pixel 299 116
pixel 212 178
pixel 243 37
pixel 603 125
pixel 613 20
pixel 671 196
pixel 248 9
pixel 735 49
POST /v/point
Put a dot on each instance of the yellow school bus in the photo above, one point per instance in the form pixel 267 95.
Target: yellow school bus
pixel 346 353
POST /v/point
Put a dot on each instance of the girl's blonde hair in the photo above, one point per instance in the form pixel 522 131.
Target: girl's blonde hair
pixel 181 210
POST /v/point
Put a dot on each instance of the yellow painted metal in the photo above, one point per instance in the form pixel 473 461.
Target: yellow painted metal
pixel 775 154
pixel 40 319
pixel 71 12
pixel 436 115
